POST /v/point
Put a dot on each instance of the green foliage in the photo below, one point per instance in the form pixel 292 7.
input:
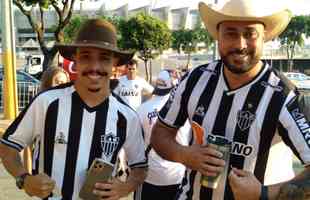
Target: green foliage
pixel 145 34
pixel 187 40
pixel 293 36
pixel 42 3
pixel 72 28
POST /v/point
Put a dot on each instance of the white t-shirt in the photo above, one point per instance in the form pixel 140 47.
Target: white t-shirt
pixel 161 172
pixel 280 163
pixel 131 90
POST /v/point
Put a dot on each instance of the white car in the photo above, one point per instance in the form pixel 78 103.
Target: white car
pixel 302 81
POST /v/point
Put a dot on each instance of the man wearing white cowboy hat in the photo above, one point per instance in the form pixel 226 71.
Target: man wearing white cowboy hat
pixel 73 124
pixel 239 98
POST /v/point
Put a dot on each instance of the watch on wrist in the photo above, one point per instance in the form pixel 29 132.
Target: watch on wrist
pixel 20 180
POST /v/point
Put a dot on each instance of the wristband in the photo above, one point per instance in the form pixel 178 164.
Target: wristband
pixel 264 193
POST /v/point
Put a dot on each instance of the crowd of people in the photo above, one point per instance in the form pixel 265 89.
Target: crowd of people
pixel 145 131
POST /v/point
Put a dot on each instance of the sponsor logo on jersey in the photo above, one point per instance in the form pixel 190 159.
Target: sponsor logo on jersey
pixel 241 149
pixel 109 143
pixel 237 148
pixel 60 139
pixel 275 87
pixel 131 93
pixel 245 119
pixel 301 123
pixel 152 115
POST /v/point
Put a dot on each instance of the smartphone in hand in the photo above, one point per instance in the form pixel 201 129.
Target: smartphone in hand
pixel 100 171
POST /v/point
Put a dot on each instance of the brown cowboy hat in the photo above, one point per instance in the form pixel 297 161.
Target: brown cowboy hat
pixel 96 33
pixel 275 21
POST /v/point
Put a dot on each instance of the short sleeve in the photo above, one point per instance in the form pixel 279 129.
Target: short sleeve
pixel 21 132
pixel 294 127
pixel 174 112
pixel 134 145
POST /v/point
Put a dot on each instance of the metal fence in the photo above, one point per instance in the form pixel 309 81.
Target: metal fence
pixel 25 92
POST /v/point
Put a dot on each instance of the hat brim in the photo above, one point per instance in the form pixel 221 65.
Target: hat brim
pixel 275 24
pixel 69 50
pixel 161 92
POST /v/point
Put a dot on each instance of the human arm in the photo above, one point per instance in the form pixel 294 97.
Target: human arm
pixel 19 135
pixel 38 185
pixel 204 159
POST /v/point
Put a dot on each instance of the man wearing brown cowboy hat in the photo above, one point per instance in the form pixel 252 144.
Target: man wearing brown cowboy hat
pixel 239 99
pixel 73 124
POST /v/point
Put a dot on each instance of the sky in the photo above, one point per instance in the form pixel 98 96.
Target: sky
pixel 297 6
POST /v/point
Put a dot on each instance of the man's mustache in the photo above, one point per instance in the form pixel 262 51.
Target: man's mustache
pixel 94 72
pixel 239 51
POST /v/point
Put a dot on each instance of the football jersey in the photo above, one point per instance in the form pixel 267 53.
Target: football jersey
pixel 68 135
pixel 248 116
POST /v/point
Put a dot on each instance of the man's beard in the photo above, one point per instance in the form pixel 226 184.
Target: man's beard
pixel 248 63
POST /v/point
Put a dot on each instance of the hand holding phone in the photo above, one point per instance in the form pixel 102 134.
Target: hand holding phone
pixel 100 171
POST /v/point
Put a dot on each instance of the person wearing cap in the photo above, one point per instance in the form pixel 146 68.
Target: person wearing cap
pixel 239 98
pixel 131 87
pixel 73 124
pixel 164 177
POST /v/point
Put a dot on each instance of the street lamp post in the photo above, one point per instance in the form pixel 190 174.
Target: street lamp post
pixel 10 103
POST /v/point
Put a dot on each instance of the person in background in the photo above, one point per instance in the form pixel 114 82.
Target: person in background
pixel 131 87
pixel 164 177
pixel 53 76
pixel 240 98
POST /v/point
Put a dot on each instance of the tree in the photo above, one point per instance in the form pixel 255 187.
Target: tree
pixel 35 10
pixel 147 35
pixel 293 36
pixel 72 28
pixel 187 40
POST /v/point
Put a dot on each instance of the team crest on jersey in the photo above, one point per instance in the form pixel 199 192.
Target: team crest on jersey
pixel 60 138
pixel 109 143
pixel 200 111
pixel 245 119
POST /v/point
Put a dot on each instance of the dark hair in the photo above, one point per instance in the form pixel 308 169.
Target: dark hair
pixel 132 62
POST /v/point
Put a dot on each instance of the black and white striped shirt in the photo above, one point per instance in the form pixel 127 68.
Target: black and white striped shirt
pixel 248 116
pixel 69 135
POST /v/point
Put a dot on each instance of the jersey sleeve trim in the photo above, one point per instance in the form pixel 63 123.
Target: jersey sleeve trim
pixel 12 144
pixel 139 165
pixel 167 123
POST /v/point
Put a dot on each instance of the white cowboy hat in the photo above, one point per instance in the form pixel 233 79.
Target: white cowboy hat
pixel 245 10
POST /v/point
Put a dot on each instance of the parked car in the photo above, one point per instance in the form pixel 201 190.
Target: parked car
pixel 302 81
pixel 27 88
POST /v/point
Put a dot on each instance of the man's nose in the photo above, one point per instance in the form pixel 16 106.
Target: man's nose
pixel 240 42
